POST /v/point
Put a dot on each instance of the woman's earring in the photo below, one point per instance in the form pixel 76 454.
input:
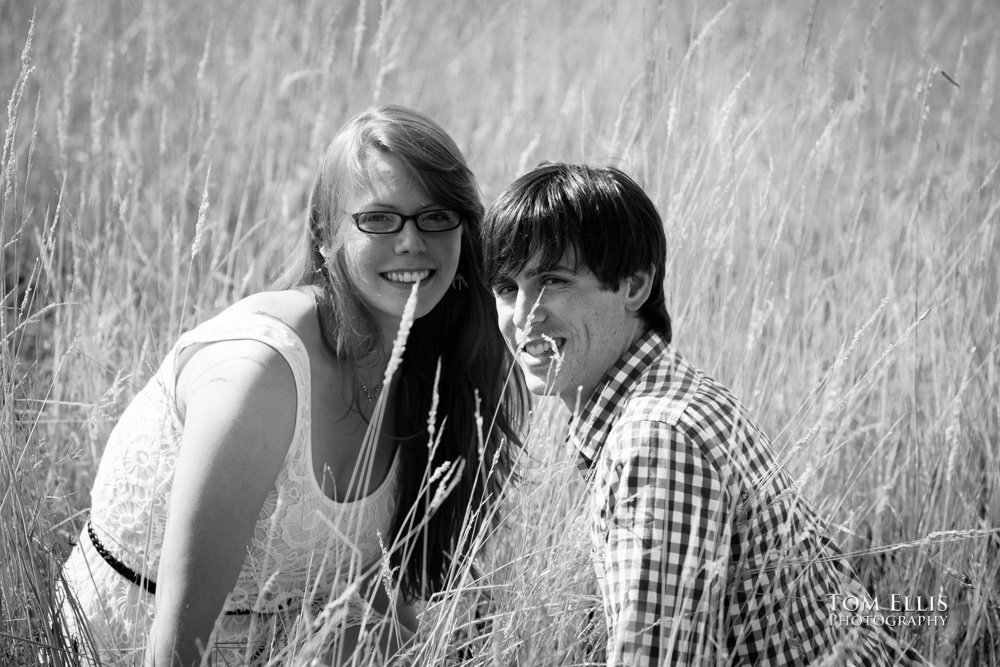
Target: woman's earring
pixel 458 283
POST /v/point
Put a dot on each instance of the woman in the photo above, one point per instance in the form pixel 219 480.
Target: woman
pixel 262 435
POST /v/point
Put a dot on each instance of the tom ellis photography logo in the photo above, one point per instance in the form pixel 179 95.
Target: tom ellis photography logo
pixel 894 610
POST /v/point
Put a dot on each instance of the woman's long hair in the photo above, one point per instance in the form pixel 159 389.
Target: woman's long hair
pixel 478 376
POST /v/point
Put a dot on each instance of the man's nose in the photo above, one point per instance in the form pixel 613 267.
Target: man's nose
pixel 410 240
pixel 529 309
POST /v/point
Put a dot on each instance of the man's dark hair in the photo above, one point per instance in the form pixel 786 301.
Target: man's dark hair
pixel 598 213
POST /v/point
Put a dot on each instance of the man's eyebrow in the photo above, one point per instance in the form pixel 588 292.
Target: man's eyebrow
pixel 533 273
pixel 554 268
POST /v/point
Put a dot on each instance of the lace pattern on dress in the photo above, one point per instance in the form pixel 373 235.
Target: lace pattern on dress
pixel 305 549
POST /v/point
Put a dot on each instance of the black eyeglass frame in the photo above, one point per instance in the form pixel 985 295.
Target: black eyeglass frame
pixel 402 220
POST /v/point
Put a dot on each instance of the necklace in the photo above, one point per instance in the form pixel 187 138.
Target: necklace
pixel 370 394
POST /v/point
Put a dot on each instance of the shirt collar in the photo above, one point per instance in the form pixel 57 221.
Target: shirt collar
pixel 590 428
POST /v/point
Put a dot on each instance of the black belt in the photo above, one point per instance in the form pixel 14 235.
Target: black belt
pixel 118 566
pixel 124 570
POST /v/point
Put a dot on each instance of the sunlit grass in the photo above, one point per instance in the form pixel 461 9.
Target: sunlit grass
pixel 828 176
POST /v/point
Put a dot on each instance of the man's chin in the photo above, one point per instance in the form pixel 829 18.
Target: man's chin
pixel 537 387
pixel 542 385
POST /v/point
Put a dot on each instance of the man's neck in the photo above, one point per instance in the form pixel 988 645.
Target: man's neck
pixel 574 399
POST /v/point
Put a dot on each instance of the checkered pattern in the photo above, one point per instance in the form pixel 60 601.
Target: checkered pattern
pixel 705 552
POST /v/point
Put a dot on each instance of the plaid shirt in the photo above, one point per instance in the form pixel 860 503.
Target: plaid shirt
pixel 704 551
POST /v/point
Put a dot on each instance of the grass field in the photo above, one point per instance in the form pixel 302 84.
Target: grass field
pixel 828 173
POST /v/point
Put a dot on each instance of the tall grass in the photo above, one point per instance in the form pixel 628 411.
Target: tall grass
pixel 828 177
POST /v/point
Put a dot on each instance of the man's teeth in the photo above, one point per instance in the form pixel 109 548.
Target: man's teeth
pixel 538 349
pixel 407 276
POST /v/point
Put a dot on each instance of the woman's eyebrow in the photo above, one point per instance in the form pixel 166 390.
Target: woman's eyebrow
pixel 385 206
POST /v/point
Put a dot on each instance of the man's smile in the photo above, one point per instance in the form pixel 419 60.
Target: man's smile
pixel 544 348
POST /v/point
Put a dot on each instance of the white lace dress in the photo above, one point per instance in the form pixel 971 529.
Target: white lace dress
pixel 306 548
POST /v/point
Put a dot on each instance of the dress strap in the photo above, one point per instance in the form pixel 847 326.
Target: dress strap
pixel 260 327
pixel 257 326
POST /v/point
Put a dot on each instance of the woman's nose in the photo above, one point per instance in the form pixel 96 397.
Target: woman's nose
pixel 410 240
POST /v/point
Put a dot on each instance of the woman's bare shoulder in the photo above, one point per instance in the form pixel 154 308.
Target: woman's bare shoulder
pixel 294 307
pixel 297 309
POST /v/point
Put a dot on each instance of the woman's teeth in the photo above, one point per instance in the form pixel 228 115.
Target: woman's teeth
pixel 407 276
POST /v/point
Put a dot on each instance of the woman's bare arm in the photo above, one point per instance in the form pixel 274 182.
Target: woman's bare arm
pixel 239 403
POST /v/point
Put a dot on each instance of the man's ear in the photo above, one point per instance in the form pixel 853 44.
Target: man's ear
pixel 637 289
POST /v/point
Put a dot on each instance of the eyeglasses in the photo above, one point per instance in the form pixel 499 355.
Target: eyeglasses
pixel 387 222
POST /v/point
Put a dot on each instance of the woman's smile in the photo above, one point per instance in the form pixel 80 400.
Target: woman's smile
pixel 408 276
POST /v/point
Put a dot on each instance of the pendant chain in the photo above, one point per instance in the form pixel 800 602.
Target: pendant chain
pixel 370 394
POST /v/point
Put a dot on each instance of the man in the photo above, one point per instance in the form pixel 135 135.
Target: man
pixel 704 551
